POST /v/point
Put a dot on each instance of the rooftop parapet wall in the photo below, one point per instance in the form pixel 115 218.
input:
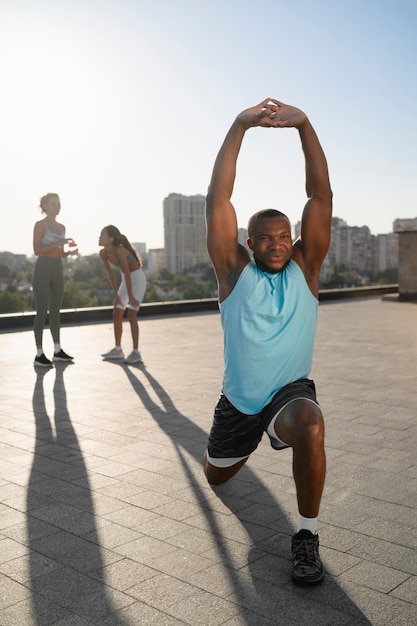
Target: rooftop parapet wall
pixel 407 264
pixel 14 321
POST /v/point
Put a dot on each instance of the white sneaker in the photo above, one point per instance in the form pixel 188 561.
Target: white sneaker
pixel 115 353
pixel 133 357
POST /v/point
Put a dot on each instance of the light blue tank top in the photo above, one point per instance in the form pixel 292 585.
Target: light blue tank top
pixel 269 323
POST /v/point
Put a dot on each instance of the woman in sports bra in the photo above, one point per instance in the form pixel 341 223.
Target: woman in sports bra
pixel 48 277
pixel 117 251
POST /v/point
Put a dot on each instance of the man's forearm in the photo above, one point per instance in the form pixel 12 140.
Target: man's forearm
pixel 224 170
pixel 317 175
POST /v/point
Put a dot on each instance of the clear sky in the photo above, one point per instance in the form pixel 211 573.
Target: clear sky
pixel 114 104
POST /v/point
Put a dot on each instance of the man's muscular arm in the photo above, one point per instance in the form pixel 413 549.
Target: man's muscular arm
pixel 317 214
pixel 310 250
pixel 227 256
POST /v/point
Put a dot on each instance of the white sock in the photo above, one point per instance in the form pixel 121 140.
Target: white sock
pixel 118 347
pixel 307 523
pixel 57 347
pixel 39 351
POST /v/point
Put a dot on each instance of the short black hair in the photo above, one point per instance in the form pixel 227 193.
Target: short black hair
pixel 260 215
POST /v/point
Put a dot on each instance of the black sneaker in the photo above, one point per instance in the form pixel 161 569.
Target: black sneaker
pixel 42 361
pixel 62 356
pixel 307 567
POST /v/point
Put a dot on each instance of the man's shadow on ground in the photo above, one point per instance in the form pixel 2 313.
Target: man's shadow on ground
pixel 60 511
pixel 269 591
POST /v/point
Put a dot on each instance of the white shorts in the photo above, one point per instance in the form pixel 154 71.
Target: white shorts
pixel 138 279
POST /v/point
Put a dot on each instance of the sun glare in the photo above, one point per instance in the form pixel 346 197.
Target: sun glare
pixel 43 87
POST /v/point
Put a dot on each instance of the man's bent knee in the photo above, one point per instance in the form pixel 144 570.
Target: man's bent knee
pixel 302 422
pixel 310 430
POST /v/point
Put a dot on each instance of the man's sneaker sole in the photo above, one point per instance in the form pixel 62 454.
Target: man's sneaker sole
pixel 307 582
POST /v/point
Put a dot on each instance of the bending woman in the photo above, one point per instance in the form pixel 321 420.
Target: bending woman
pixel 118 252
pixel 48 277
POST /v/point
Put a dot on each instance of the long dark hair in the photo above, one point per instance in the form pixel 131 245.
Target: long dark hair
pixel 121 240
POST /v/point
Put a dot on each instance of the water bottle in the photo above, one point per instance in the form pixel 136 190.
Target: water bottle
pixel 73 247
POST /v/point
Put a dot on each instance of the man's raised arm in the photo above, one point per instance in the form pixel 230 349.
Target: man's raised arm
pixel 317 214
pixel 226 255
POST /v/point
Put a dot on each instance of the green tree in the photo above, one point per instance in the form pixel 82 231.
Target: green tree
pixel 151 294
pixel 210 289
pixel 73 298
pixel 13 303
pixel 192 293
pixel 164 274
pixel 180 281
pixel 5 271
pixel 342 277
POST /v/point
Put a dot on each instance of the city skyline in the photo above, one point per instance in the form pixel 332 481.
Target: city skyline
pixel 114 105
pixel 294 226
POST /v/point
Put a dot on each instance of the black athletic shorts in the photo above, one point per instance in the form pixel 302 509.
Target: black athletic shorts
pixel 235 434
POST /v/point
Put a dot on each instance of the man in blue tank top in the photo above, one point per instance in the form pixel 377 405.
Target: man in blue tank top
pixel 268 308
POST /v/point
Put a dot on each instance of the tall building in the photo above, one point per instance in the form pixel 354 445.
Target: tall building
pixel 386 252
pixel 184 232
pixel 155 260
pixel 140 248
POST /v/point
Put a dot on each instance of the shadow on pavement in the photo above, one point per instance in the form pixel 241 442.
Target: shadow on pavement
pixel 262 583
pixel 59 512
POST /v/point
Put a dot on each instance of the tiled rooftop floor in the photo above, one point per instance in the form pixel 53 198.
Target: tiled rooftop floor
pixel 106 518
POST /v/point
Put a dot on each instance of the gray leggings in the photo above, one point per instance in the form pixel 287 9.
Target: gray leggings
pixel 48 290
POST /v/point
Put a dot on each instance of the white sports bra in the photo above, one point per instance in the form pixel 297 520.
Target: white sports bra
pixel 50 237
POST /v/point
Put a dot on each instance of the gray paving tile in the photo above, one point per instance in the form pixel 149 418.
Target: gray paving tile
pixel 161 527
pixel 11 592
pixel 58 544
pixel 374 576
pixel 180 563
pixel 111 535
pixel 25 568
pixel 10 517
pixel 35 610
pixel 407 590
pixel 194 610
pixel 107 519
pixel 140 613
pixel 10 549
pixel 384 609
pixel 145 550
pixel 28 531
pixel 124 574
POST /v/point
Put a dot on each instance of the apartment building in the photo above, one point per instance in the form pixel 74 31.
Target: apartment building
pixel 184 232
pixel 355 248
